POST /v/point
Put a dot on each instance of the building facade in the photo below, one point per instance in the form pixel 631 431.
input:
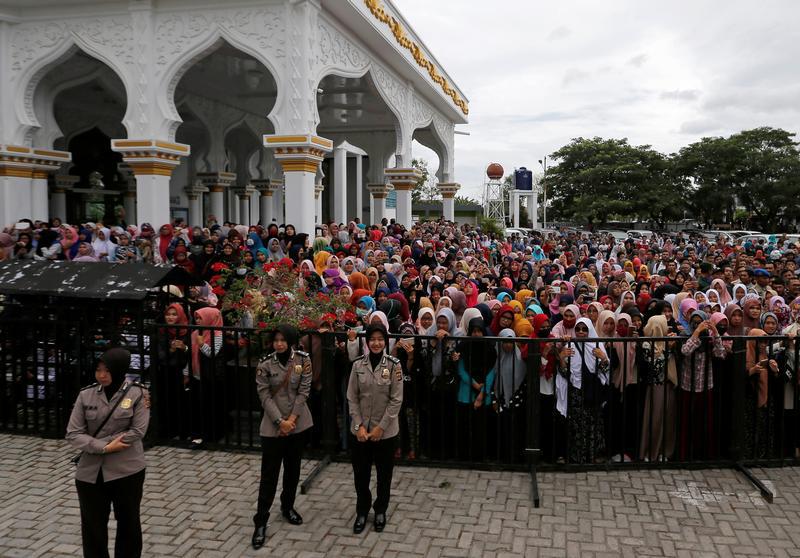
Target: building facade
pixel 271 110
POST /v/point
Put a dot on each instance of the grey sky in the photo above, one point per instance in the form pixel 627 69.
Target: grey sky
pixel 666 74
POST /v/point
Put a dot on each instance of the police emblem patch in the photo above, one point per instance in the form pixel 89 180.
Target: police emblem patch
pixel 385 374
pixel 126 403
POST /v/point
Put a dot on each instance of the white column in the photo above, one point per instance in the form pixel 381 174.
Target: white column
pixel 265 203
pixel 233 207
pixel 448 209
pixel 280 210
pixel 515 208
pixel 39 201
pixel 404 181
pixel 244 207
pixel 378 193
pixel 195 194
pixel 340 185
pixel 448 191
pixel 533 209
pixel 299 156
pixel 216 183
pixel 152 161
pixel 15 198
pixel 360 188
pixel 318 189
pixel 129 204
pixel 58 196
pixel 255 208
pixel 23 181
pixel 217 203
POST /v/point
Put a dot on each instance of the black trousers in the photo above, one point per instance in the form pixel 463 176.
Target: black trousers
pixel 274 451
pixel 95 502
pixel 363 455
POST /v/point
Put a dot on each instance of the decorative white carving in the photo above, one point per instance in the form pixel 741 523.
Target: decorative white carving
pixel 421 112
pixel 394 92
pixel 178 34
pixel 335 51
pixel 35 41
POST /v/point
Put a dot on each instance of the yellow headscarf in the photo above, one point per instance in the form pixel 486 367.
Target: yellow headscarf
pixel 321 261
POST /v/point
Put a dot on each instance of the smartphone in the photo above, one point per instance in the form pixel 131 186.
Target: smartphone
pixel 556 290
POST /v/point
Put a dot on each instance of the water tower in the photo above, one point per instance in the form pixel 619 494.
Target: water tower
pixel 494 206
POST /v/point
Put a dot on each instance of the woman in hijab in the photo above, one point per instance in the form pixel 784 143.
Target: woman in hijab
pixel 762 365
pixel 566 327
pixel 459 301
pixel 85 253
pixel 173 356
pixel 584 365
pixel 476 373
pixel 751 306
pixel 274 250
pixel 283 381
pixel 510 386
pixel 111 466
pixel 441 361
pixel 695 396
pixel 504 319
pixel 658 374
pixel 205 380
pixel 624 400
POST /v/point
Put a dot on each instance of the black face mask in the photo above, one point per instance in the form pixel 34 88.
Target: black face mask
pixel 543 333
pixel 722 329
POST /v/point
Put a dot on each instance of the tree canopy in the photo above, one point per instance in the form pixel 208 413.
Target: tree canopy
pixel 754 172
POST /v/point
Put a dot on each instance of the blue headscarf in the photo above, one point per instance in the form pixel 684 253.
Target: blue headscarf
pixel 368 301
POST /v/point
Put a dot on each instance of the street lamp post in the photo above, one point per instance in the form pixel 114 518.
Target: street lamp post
pixel 544 191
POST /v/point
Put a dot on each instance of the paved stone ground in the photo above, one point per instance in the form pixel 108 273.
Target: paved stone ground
pixel 200 504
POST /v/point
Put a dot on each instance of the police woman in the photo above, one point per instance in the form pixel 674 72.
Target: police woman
pixel 107 424
pixel 283 380
pixel 375 396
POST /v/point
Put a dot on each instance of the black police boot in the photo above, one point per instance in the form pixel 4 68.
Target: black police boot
pixel 360 524
pixel 380 522
pixel 260 534
pixel 292 516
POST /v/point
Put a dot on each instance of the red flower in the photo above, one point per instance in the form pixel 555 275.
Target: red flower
pixel 262 325
pixel 307 323
pixel 328 317
pixel 349 317
pixel 219 266
pixel 217 280
pixel 219 291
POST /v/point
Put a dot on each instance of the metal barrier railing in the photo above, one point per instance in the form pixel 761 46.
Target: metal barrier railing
pixel 656 404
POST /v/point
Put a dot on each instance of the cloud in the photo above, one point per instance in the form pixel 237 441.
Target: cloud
pixel 701 126
pixel 638 60
pixel 545 73
pixel 572 75
pixel 680 95
pixel 560 32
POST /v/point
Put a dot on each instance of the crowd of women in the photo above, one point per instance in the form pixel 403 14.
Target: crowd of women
pixel 636 338
pixel 442 288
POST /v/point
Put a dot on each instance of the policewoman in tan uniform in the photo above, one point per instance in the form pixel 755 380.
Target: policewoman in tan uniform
pixel 283 380
pixel 107 425
pixel 375 395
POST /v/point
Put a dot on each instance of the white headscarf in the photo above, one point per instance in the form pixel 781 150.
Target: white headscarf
pixel 510 371
pixel 584 355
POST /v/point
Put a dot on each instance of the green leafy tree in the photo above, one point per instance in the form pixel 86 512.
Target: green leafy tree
pixel 757 170
pixel 597 179
pixel 426 189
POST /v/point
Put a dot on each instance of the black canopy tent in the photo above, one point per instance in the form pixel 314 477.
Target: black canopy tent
pixel 56 318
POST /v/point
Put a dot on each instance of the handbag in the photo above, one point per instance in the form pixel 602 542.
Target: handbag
pixel 77 458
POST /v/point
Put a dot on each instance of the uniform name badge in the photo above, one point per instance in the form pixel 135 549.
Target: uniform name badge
pixel 385 374
pixel 126 403
pixel 298 369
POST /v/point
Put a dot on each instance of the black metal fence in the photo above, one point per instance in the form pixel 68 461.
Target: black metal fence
pixel 554 403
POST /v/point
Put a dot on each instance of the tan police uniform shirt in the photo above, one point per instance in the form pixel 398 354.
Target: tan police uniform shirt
pixel 375 396
pixel 130 418
pixel 282 396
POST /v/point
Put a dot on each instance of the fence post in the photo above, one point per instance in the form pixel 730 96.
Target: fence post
pixel 330 434
pixel 533 450
pixel 739 375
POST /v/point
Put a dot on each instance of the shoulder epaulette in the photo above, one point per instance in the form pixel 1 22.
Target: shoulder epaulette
pixel 302 353
pixel 266 357
pixel 393 358
pixel 139 385
pixel 94 385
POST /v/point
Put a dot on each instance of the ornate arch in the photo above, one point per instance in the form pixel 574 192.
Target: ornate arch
pixel 37 48
pixel 183 39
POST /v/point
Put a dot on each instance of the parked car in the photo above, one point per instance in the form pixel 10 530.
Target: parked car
pixel 639 233
pixel 737 234
pixel 619 236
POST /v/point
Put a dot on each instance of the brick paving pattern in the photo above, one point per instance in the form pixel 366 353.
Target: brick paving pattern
pixel 201 504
